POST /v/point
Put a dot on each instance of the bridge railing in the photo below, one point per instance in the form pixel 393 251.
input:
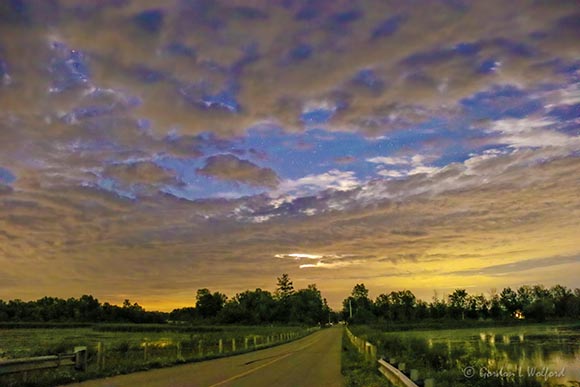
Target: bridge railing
pixel 395 373
pixel 78 359
pixel 364 347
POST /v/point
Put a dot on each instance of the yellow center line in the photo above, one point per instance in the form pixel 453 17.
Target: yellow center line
pixel 261 366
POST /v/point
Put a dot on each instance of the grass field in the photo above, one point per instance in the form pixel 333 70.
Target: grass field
pixel 115 349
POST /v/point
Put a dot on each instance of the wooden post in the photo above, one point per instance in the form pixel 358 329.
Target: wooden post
pixel 221 346
pixel 246 342
pixel 179 357
pixel 103 356
pixel 81 357
pixel 255 341
pixel 414 375
pixel 99 356
pixel 200 348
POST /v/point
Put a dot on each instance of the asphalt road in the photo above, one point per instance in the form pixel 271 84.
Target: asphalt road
pixel 313 361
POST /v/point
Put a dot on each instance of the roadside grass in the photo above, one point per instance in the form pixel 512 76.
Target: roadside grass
pixel 130 348
pixel 357 371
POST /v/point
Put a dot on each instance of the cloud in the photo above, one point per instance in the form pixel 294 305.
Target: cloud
pixel 440 138
pixel 230 168
pixel 199 79
pixel 327 265
pixel 299 256
pixel 390 173
pixel 326 261
pixel 408 166
pixel 5 189
pixel 519 266
pixel 344 160
pixel 138 172
pixel 530 132
pixel 389 160
pixel 311 184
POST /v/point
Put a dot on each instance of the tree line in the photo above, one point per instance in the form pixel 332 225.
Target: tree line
pixel 285 306
pixel 84 309
pixel 535 302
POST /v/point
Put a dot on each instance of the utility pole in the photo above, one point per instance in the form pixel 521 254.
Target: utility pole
pixel 350 307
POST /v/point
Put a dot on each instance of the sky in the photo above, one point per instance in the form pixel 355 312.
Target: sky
pixel 152 148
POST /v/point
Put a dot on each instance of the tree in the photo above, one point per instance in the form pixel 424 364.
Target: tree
pixel 183 314
pixel 360 292
pixel 540 309
pixel 458 303
pixel 382 307
pixel 480 307
pixel 307 306
pixel 509 301
pixel 562 297
pixel 525 296
pixel 250 307
pixel 361 304
pixel 402 305
pixel 209 305
pixel 495 310
pixel 284 291
pixel 284 287
pixel 540 291
pixel 437 307
pixel 421 310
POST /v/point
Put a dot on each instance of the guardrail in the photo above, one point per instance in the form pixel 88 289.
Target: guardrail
pixel 369 350
pixel 395 373
pixel 398 378
pixel 78 359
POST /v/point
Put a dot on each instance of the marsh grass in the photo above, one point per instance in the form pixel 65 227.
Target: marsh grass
pixel 445 354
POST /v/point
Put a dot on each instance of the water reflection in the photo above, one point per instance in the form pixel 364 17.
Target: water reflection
pixel 543 352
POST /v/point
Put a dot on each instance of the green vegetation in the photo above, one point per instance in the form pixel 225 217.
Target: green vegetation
pixel 72 310
pixel 535 303
pixel 115 349
pixel 504 354
pixel 356 370
pixel 419 334
pixel 285 306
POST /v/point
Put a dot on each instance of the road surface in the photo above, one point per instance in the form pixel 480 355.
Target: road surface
pixel 313 361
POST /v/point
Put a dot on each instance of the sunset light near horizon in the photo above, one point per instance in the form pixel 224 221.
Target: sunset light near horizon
pixel 152 148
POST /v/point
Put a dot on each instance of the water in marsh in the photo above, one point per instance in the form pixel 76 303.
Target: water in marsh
pixel 484 356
